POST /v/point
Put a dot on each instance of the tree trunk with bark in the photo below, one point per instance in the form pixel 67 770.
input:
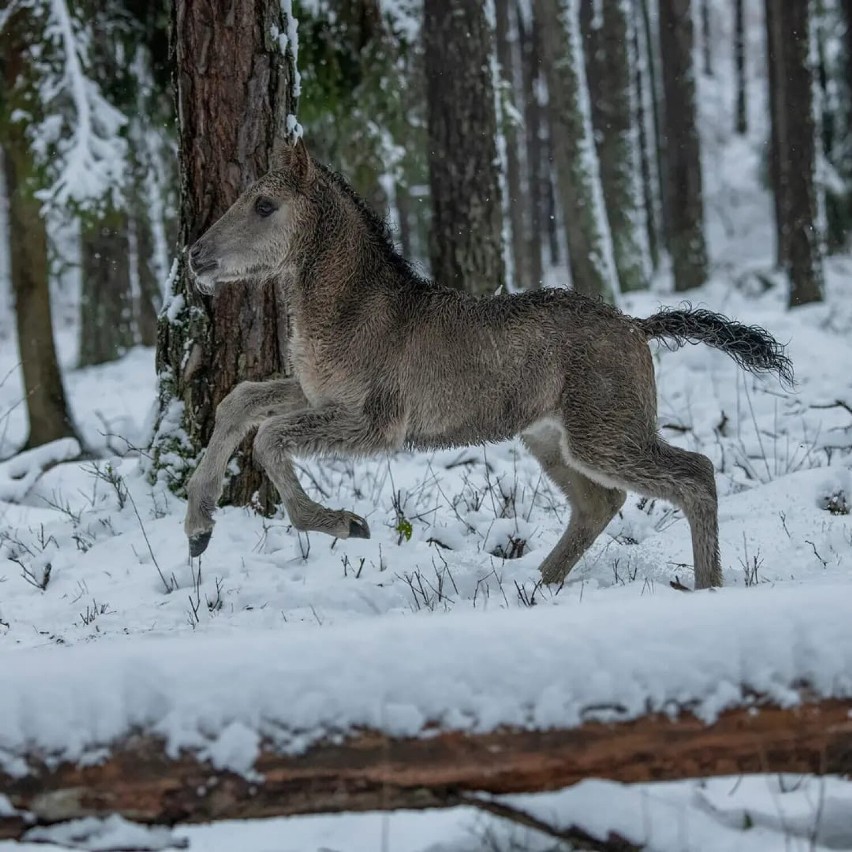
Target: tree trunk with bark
pixel 706 38
pixel 795 137
pixel 149 297
pixel 537 188
pixel 466 241
pixel 648 147
pixel 106 304
pixel 235 88
pixel 740 111
pixel 608 38
pixel 573 147
pixel 650 34
pixel 47 407
pixel 517 200
pixel 369 770
pixel 682 152
pixel 776 119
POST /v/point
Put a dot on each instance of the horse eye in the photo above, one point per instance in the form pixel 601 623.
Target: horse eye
pixel 264 207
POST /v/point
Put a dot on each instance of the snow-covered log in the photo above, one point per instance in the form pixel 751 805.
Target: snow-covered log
pixel 414 712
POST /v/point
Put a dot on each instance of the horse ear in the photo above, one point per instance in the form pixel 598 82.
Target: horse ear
pixel 292 157
pixel 279 157
pixel 300 163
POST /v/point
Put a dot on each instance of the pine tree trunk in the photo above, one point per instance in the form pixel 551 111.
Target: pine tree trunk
pixel 647 142
pixel 775 82
pixel 794 129
pixel 149 298
pixel 517 196
pixel 684 195
pixel 608 37
pixel 106 307
pixel 706 38
pixel 467 216
pixel 536 185
pixel 47 407
pixel 234 91
pixel 846 6
pixel 575 158
pixel 649 34
pixel 740 111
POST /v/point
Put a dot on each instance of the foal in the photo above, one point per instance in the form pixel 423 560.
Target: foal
pixel 383 359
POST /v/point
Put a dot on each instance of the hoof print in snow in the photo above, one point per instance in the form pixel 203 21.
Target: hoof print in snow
pixel 836 503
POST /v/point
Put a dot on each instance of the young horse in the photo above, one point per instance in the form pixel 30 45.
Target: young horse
pixel 383 360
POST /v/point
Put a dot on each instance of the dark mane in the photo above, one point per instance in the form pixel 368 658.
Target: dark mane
pixel 377 226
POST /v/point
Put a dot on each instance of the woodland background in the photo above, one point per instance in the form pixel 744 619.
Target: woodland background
pixel 643 151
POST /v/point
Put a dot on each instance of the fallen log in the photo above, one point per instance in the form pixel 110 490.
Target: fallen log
pixel 373 771
pixel 426 712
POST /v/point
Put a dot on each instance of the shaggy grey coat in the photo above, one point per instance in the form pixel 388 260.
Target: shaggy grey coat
pixel 383 359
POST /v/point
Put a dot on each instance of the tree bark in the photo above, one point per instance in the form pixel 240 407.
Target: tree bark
pixel 684 193
pixel 794 134
pixel 656 96
pixel 573 147
pixel 706 38
pixel 106 305
pixel 648 147
pixel 47 407
pixel 537 186
pixel 776 119
pixel 467 217
pixel 608 38
pixel 740 111
pixel 370 770
pixel 517 201
pixel 149 298
pixel 235 89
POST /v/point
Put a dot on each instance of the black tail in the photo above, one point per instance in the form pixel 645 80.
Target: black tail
pixel 751 346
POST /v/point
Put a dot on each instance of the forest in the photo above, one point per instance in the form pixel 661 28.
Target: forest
pixel 424 688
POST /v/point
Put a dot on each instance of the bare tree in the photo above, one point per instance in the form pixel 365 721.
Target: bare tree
pixel 466 245
pixel 573 147
pixel 47 408
pixel 706 38
pixel 537 183
pixel 106 307
pixel 610 63
pixel 649 156
pixel 794 148
pixel 740 111
pixel 684 193
pixel 517 191
pixel 236 89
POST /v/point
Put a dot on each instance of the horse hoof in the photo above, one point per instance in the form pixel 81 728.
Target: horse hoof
pixel 198 543
pixel 358 529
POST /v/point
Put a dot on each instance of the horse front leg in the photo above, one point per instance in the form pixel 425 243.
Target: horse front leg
pixel 330 430
pixel 243 409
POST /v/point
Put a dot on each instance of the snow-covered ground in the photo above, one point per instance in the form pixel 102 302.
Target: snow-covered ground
pixel 119 577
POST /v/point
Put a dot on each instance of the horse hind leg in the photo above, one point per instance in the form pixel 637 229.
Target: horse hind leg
pixel 593 505
pixel 686 479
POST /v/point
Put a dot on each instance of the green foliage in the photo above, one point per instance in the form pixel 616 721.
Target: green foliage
pixel 404 528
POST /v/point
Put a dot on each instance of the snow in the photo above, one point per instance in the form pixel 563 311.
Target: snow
pixel 465 670
pixel 106 836
pixel 90 168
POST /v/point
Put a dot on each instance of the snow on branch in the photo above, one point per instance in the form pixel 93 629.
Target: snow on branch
pixel 80 137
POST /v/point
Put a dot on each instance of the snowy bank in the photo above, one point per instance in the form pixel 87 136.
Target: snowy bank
pixel 548 667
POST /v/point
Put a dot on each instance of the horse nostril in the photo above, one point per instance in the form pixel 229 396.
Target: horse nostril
pixel 195 251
